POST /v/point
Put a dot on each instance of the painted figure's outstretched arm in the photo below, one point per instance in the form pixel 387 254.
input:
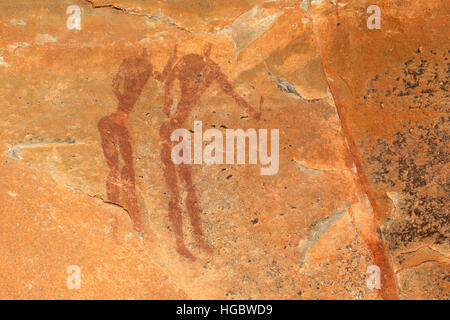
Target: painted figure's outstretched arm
pixel 163 76
pixel 225 85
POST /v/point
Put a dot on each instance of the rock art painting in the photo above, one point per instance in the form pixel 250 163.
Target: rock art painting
pixel 127 86
pixel 196 73
pixel 224 150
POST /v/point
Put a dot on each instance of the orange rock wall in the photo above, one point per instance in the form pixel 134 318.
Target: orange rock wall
pixel 86 114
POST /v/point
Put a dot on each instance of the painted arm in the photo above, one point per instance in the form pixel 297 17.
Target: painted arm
pixel 117 81
pixel 168 101
pixel 162 76
pixel 228 89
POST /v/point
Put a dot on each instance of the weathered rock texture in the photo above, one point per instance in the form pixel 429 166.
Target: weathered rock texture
pixel 85 124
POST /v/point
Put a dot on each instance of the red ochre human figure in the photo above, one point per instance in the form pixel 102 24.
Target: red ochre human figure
pixel 195 74
pixel 127 86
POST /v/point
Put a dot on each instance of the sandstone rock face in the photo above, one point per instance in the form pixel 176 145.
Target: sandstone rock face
pixel 93 206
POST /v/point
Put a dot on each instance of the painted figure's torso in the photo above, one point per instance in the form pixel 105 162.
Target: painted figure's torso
pixel 132 78
pixel 195 74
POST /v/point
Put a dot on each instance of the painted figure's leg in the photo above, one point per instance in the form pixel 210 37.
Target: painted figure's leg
pixel 112 160
pixel 192 207
pixel 129 181
pixel 174 204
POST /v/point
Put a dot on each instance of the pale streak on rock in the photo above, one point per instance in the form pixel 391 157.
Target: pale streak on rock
pixel 18 45
pixel 13 152
pixel 307 170
pixel 395 198
pixel 42 38
pixel 317 230
pixel 3 63
pixel 12 194
pixel 305 20
pixel 16 22
pixel 251 25
pixel 288 87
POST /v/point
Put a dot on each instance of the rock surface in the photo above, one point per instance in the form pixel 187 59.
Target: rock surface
pixel 363 150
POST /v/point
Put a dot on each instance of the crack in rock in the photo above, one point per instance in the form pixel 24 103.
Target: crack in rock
pixel 158 16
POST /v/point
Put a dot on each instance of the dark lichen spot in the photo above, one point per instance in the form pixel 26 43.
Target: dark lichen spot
pixel 415 162
pixel 423 84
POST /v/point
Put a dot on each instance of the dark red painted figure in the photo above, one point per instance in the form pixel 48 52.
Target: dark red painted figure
pixel 195 73
pixel 127 85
